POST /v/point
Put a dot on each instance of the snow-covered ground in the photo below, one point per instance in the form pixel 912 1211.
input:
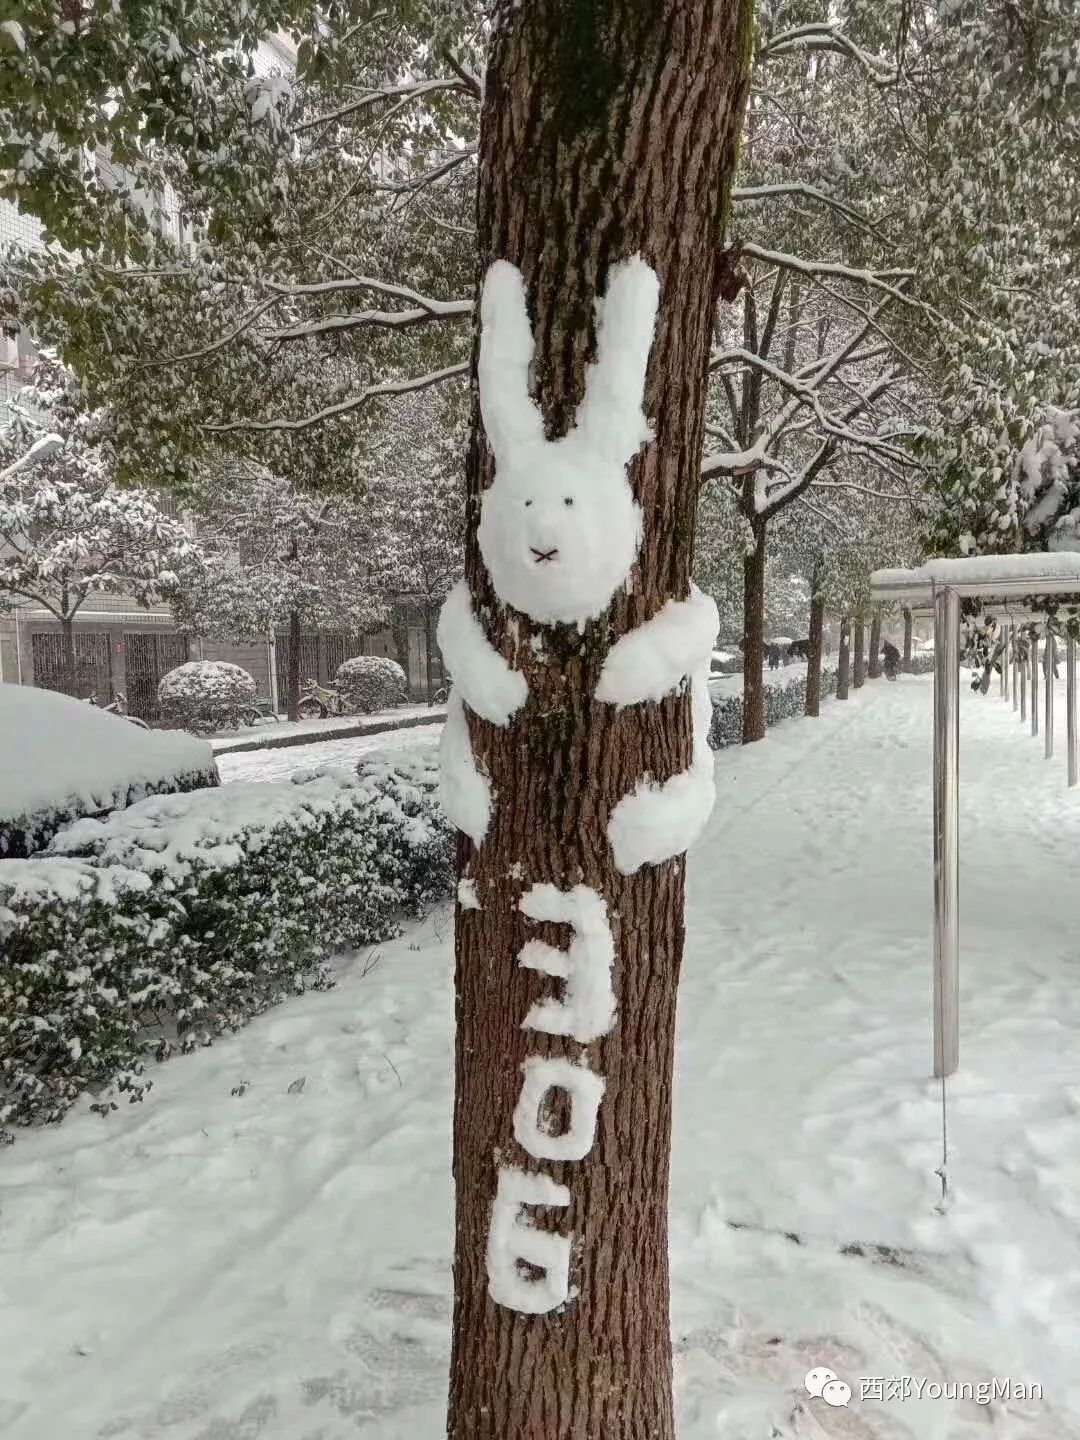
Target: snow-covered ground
pixel 245 1257
pixel 280 763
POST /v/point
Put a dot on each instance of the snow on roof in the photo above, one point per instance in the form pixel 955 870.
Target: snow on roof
pixel 62 756
pixel 1036 573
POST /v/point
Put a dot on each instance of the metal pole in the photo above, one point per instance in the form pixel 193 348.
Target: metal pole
pixel 1015 667
pixel 1034 683
pixel 1003 641
pixel 1070 705
pixel 1048 721
pixel 946 823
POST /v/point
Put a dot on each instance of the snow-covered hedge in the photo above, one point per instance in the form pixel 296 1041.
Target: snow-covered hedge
pixel 206 695
pixel 922 664
pixel 185 915
pixel 61 759
pixel 783 701
pixel 371 682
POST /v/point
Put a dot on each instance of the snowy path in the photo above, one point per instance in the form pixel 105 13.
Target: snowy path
pixel 275 1265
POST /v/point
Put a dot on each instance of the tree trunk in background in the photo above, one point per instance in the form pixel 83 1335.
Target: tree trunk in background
pixel 608 130
pixel 873 668
pixel 431 618
pixel 843 664
pixel 69 668
pixel 753 718
pixel 813 664
pixel 292 667
pixel 908 628
pixel 858 643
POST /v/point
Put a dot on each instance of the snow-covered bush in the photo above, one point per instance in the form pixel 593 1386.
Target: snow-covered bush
pixel 61 759
pixel 185 915
pixel 417 843
pixel 922 664
pixel 784 701
pixel 83 961
pixel 206 695
pixel 371 682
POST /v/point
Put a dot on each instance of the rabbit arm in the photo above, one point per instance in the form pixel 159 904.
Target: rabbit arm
pixel 652 660
pixel 657 821
pixel 483 679
pixel 511 419
pixel 611 422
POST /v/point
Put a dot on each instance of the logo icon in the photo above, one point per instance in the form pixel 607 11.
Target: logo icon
pixel 825 1384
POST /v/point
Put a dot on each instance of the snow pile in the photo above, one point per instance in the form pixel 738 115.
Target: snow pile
pixel 371 682
pixel 184 915
pixel 206 695
pixel 61 758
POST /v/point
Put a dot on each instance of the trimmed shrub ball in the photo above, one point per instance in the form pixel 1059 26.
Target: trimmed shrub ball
pixel 371 682
pixel 206 695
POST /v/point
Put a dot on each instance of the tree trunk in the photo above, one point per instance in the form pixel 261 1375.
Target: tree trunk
pixel 873 669
pixel 858 641
pixel 813 662
pixel 843 664
pixel 69 666
pixel 431 616
pixel 608 131
pixel 292 676
pixel 753 715
pixel 908 628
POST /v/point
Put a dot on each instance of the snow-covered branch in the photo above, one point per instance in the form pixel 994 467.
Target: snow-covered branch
pixel 381 391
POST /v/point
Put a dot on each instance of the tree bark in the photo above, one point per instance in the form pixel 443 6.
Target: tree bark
pixel 813 663
pixel 843 664
pixel 908 637
pixel 292 662
pixel 858 642
pixel 69 665
pixel 754 637
pixel 873 668
pixel 608 130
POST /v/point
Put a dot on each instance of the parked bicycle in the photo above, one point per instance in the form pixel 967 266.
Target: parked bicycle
pixel 318 701
pixel 119 706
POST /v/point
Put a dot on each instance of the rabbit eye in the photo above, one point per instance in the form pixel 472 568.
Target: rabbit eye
pixel 568 500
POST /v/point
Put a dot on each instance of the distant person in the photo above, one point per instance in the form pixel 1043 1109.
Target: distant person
pixel 774 657
pixel 891 656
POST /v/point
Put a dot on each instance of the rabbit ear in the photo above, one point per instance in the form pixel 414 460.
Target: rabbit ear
pixel 511 419
pixel 611 421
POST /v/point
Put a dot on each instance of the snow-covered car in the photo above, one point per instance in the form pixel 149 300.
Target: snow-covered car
pixel 64 759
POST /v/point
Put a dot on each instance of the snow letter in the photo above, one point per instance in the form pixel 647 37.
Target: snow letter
pixel 585 1091
pixel 587 1008
pixel 559 526
pixel 513 1239
pixel 484 680
pixel 656 822
pixel 465 793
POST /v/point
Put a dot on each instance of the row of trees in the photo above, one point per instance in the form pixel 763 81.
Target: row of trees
pixel 261 556
pixel 860 220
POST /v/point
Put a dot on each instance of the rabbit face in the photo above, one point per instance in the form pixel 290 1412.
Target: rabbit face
pixel 559 533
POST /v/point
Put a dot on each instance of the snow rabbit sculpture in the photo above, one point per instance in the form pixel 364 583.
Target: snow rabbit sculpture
pixel 559 526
